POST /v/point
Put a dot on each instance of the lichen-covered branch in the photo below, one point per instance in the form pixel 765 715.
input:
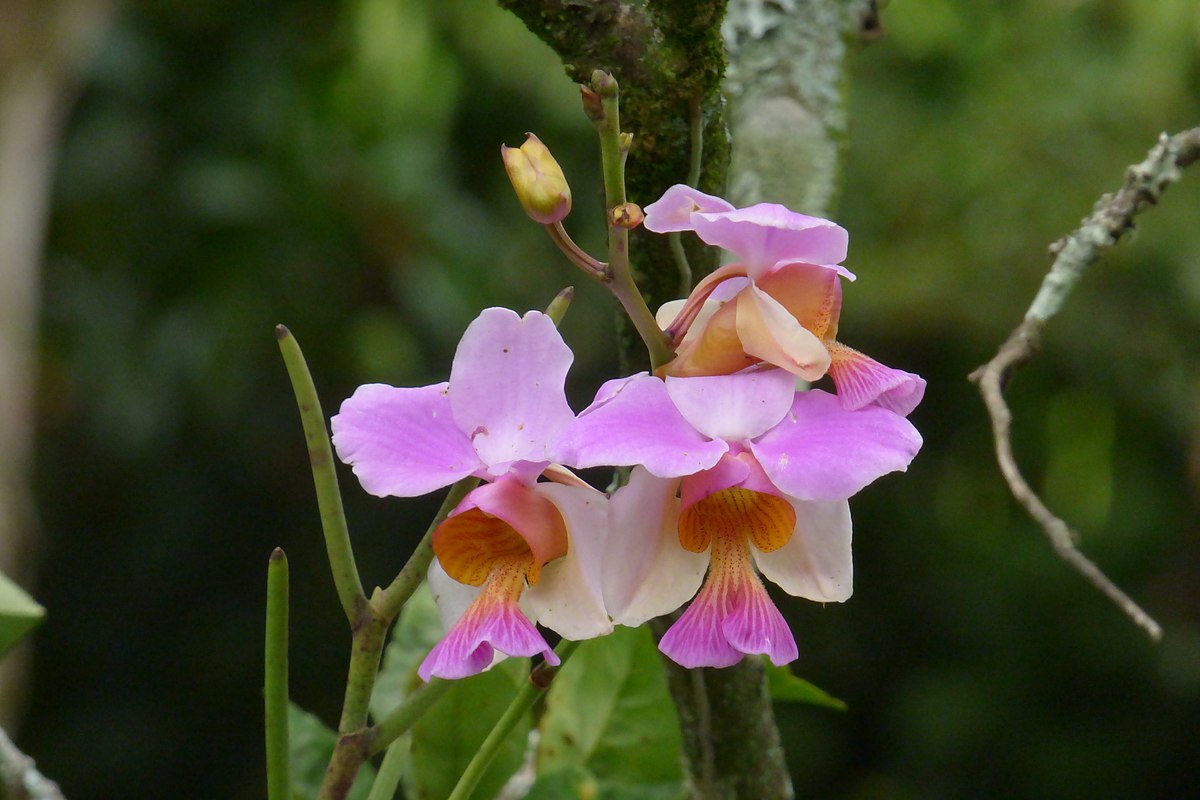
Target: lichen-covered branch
pixel 1111 218
pixel 667 57
pixel 786 87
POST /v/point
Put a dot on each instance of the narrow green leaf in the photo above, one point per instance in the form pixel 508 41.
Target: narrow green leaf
pixel 275 678
pixel 312 745
pixel 19 613
pixel 610 714
pixel 444 740
pixel 787 687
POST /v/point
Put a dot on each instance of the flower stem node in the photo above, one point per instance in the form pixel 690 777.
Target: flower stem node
pixel 538 181
pixel 626 215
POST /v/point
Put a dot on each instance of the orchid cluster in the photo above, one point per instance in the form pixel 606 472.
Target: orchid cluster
pixel 739 470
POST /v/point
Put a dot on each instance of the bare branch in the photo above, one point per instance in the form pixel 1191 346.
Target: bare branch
pixel 19 776
pixel 1111 218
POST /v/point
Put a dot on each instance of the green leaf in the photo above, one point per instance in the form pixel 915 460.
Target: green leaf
pixel 445 739
pixel 576 783
pixel 311 745
pixel 786 687
pixel 608 712
pixel 417 630
pixel 19 613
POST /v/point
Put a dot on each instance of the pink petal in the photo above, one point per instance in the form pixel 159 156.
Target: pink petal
pixel 767 234
pixel 673 211
pixel 697 639
pixel 468 648
pixel 569 598
pixel 753 624
pixel 740 470
pixel 634 422
pixel 402 442
pixel 734 407
pixel 821 451
pixel 769 332
pixel 646 572
pixel 862 380
pixel 506 386
pixel 730 471
pixel 816 562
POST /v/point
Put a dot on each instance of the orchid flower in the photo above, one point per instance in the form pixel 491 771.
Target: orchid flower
pixel 762 475
pixel 779 303
pixel 514 550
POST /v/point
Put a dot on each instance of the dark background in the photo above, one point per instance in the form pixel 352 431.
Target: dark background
pixel 334 166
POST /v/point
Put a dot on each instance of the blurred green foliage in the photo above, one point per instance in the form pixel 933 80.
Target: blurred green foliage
pixel 334 166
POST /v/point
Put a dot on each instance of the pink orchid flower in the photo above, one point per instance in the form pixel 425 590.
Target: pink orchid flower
pixel 515 550
pixel 762 475
pixel 779 303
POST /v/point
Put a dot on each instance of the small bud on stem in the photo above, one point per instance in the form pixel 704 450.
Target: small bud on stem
pixel 538 181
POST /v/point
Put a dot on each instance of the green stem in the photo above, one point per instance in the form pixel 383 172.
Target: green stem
pixel 518 708
pixel 576 254
pixel 388 777
pixel 620 275
pixel 386 603
pixel 402 717
pixel 275 681
pixel 696 130
pixel 329 498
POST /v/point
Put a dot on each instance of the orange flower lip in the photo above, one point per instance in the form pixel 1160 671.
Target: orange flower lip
pixel 496 522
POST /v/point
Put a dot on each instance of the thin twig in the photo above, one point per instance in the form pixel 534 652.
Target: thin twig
pixel 1111 218
pixel 19 776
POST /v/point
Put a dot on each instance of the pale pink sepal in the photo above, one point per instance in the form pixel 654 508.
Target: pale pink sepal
pixel 673 211
pixel 633 421
pixel 734 407
pixel 646 571
pixel 402 442
pixel 569 597
pixel 768 331
pixel 861 381
pixel 816 563
pixel 821 451
pixel 506 386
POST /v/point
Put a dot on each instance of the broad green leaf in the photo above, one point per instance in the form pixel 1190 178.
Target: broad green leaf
pixel 786 687
pixel 445 739
pixel 19 613
pixel 417 630
pixel 311 744
pixel 608 712
pixel 576 783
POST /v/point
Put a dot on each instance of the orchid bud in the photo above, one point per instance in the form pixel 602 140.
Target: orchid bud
pixel 538 180
pixel 625 215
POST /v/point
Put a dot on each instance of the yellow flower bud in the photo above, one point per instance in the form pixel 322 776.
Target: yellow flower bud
pixel 538 180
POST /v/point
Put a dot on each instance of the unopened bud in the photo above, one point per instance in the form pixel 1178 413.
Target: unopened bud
pixel 626 215
pixel 626 141
pixel 538 180
pixel 591 103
